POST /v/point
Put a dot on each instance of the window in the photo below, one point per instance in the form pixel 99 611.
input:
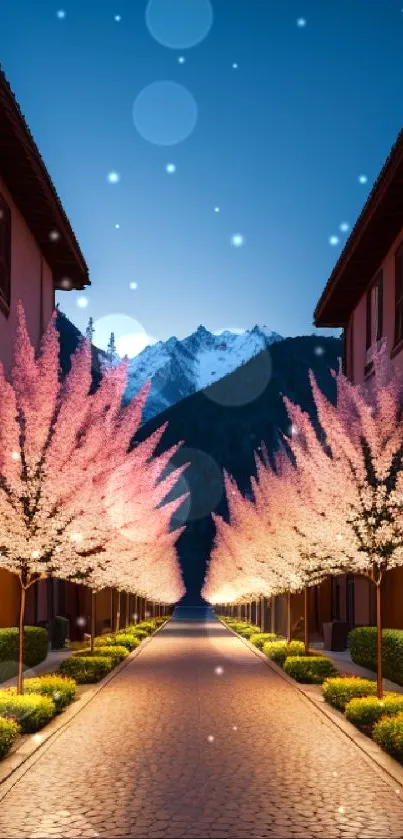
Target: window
pixel 5 255
pixel 399 295
pixel 374 325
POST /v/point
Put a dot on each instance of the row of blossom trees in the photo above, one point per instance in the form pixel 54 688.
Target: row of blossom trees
pixel 77 501
pixel 331 502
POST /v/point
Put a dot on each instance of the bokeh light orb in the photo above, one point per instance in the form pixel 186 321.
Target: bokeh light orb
pixel 179 24
pixel 165 113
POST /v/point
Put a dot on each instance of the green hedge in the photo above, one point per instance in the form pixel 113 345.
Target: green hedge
pixel 278 651
pixel 31 711
pixel 36 645
pixel 87 669
pixel 126 640
pixel 59 689
pixel 310 669
pixel 246 630
pixel 339 691
pixel 116 653
pixel 362 643
pixel 260 638
pixel 388 733
pixel 134 632
pixel 364 713
pixel 9 730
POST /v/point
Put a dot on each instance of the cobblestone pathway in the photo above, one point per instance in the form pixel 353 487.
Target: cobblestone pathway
pixel 174 747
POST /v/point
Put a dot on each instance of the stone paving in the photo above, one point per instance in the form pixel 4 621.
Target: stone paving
pixel 173 747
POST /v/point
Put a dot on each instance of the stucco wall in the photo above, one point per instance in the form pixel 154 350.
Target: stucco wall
pixel 27 264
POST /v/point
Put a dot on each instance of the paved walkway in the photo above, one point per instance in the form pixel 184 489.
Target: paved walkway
pixel 173 747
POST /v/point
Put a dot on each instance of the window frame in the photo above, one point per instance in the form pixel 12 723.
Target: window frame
pixel 370 342
pixel 398 332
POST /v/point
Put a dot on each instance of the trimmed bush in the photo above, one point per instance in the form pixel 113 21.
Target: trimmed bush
pixel 59 689
pixel 278 651
pixel 246 630
pixel 260 638
pixel 362 643
pixel 339 691
pixel 36 645
pixel 388 733
pixel 310 669
pixel 31 712
pixel 128 641
pixel 87 669
pixel 116 653
pixel 9 730
pixel 134 632
pixel 368 710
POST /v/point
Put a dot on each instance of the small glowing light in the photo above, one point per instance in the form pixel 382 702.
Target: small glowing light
pixel 147 614
pixel 362 179
pixel 117 226
pixel 81 621
pixel 170 168
pixel 56 695
pixel 15 456
pixel 135 616
pixel 341 810
pixel 301 21
pixel 54 235
pixel 61 14
pixel 216 209
pixel 344 226
pixel 335 774
pixel 237 240
pixel 293 431
pixel 334 240
pixel 65 282
pixel 76 537
pixel 319 350
pixel 181 59
pixel 218 671
pixel 235 728
pixel 113 177
pixel 35 554
pixel 118 18
pixel 210 738
pixel 37 739
pixel 397 791
pixel 133 286
pixel 82 302
pixel 234 66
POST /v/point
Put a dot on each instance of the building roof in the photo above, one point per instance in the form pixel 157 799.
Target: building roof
pixel 26 177
pixel 378 225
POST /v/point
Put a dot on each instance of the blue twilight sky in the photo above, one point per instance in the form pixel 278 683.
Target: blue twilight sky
pixel 278 144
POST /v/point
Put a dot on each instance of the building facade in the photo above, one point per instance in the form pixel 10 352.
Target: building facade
pixel 38 255
pixel 364 296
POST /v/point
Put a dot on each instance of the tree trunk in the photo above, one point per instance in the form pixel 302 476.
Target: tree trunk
pixel 118 612
pixel 127 609
pixel 273 614
pixel 20 687
pixel 93 613
pixel 262 614
pixel 112 618
pixel 379 641
pixel 306 620
pixel 288 616
pixel 239 610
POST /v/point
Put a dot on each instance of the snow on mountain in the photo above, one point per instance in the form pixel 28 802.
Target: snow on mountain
pixel 178 368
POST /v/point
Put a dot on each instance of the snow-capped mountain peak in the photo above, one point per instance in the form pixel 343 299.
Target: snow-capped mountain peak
pixel 179 367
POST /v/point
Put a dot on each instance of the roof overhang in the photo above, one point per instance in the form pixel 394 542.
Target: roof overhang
pixel 26 177
pixel 378 226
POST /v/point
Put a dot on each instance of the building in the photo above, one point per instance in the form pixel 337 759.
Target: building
pixel 39 254
pixel 364 296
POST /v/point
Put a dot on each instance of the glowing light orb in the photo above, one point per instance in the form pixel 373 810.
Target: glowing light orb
pixel 334 240
pixel 76 537
pixel 165 113
pixel 113 177
pixel 339 537
pixel 235 728
pixel 35 554
pixel 181 59
pixel 170 168
pixel 301 22
pixel 178 24
pixel 210 738
pixel 319 350
pixel 15 456
pixel 65 282
pixel 81 621
pixel 234 66
pixel 117 18
pixel 54 235
pixel 130 336
pixel 362 179
pixel 237 240
pixel 218 671
pixel 341 810
pixel 216 209
pixel 344 226
pixel 133 286
pixel 82 302
pixel 117 226
pixel 61 14
pixel 37 739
